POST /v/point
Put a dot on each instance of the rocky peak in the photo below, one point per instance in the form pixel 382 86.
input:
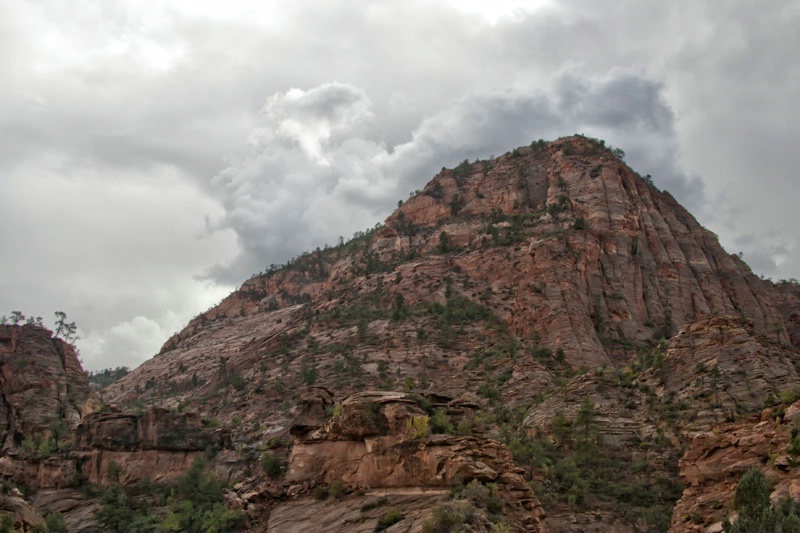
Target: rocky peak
pixel 43 389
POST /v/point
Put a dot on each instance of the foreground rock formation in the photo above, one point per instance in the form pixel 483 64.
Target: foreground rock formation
pixel 371 446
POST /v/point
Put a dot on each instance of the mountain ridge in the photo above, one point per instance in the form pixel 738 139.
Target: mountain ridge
pixel 495 284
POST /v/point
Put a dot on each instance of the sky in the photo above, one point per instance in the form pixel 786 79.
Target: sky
pixel 154 155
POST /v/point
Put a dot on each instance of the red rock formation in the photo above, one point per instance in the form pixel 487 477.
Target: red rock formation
pixel 713 465
pixel 41 384
pixel 591 253
pixel 370 446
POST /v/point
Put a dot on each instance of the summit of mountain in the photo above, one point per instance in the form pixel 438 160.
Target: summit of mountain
pixel 557 246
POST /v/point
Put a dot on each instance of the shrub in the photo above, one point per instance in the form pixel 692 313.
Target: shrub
pixel 481 495
pixel 272 465
pixel 237 382
pixel 447 517
pixel 336 490
pixel 114 471
pixel 440 422
pixel 755 513
pixel 389 519
pixel 418 426
pixel 55 523
pixel 6 524
pixel 374 504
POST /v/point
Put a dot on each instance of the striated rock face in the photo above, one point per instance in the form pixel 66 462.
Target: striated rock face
pixel 562 243
pixel 723 368
pixel 158 445
pixel 41 384
pixel 347 515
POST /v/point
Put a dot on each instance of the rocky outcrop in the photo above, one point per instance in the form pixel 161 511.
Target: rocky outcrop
pixel 23 515
pixel 355 514
pixel 155 429
pixel 716 461
pixel 42 385
pixel 722 368
pixel 371 446
pixel 561 242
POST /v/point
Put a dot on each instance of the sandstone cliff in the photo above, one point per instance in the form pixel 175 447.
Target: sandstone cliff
pixel 43 388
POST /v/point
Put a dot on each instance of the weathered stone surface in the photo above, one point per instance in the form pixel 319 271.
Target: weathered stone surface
pixel 23 515
pixel 365 455
pixel 155 429
pixel 41 384
pixel 78 514
pixel 312 410
pixel 715 462
pixel 345 516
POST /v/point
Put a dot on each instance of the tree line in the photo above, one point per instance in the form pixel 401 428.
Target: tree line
pixel 63 329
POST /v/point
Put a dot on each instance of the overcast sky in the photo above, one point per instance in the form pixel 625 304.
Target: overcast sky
pixel 154 155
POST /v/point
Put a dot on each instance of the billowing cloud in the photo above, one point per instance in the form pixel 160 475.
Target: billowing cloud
pixel 315 173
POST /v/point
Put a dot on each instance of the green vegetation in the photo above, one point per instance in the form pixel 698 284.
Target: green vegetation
pixel 7 523
pixel 38 446
pixel 418 426
pixel 272 465
pixel 468 501
pixel 103 378
pixel 54 523
pixel 390 518
pixel 751 501
pixel 195 504
pixel 581 470
pixel 309 373
pixel 440 423
pixel 334 491
pixel 63 329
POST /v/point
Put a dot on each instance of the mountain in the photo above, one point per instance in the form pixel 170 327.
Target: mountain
pixel 542 335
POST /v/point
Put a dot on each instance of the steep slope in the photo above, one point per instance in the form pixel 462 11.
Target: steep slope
pixel 559 242
pixel 519 287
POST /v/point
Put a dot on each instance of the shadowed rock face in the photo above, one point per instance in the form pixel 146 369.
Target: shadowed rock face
pixel 156 429
pixel 41 383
